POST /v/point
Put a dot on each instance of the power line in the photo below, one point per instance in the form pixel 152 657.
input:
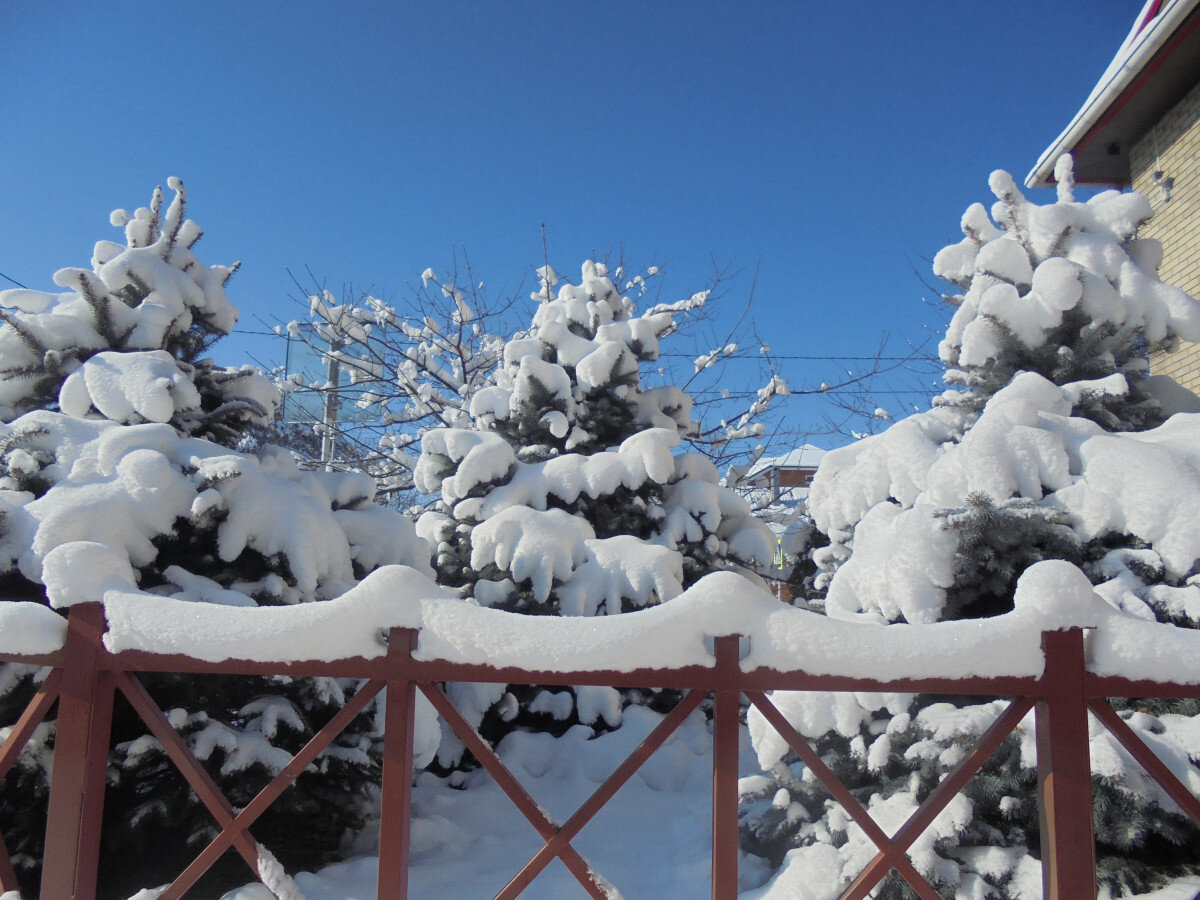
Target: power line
pixel 674 354
pixel 689 356
pixel 807 392
pixel 13 280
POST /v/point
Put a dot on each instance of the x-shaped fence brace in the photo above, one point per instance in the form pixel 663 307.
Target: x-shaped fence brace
pixel 893 850
pixel 84 690
pixel 18 737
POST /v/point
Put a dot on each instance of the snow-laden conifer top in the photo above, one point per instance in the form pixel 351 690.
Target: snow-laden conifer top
pixel 1036 264
pixel 567 492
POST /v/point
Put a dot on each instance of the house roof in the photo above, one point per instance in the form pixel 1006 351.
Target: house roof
pixel 1156 65
pixel 806 457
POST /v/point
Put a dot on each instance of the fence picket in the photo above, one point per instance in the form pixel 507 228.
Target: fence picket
pixel 1065 771
pixel 726 734
pixel 396 800
pixel 85 701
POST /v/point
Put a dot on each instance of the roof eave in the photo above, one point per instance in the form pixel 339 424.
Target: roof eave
pixel 1116 89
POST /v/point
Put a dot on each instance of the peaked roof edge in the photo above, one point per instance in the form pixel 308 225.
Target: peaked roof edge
pixel 806 456
pixel 1154 27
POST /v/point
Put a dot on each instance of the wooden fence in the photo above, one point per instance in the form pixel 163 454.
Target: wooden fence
pixel 86 676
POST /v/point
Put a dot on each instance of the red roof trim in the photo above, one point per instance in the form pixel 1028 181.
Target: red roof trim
pixel 1150 14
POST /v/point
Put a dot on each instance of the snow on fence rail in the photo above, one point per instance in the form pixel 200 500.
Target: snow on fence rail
pixel 398 631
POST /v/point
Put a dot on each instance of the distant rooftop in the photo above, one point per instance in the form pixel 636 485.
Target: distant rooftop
pixel 806 457
pixel 1156 65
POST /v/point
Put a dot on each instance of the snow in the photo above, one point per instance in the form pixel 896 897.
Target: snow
pixel 1048 260
pixel 714 606
pixel 641 457
pixel 347 626
pixel 120 492
pixel 129 387
pixel 150 299
pixel 894 464
pixel 275 878
pixel 468 843
pixel 1184 889
pixel 126 486
pixel 480 456
pixel 1025 444
pixel 373 537
pixel 1173 397
pixel 83 571
pixel 1050 595
pixel 806 456
pixel 609 362
pixel 809 873
pixel 89 494
pixel 538 383
pixel 539 545
pixel 622 567
pixel 815 713
pixel 903 557
pixel 890 814
pixel 30 629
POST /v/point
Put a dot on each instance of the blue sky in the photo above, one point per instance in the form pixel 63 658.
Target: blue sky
pixel 837 143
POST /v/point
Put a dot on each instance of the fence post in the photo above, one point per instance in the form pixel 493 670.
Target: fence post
pixel 72 854
pixel 395 820
pixel 1065 771
pixel 726 734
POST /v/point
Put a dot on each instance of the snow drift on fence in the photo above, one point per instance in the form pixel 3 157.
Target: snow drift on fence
pixel 1051 595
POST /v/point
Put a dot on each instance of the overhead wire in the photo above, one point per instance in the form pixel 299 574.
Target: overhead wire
pixel 689 356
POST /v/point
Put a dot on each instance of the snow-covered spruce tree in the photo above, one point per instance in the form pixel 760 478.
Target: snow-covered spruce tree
pixel 418 364
pixel 565 498
pixel 148 304
pixel 1045 291
pixel 107 404
pixel 1056 449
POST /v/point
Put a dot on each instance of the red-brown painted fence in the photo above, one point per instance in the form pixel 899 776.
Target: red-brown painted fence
pixel 86 676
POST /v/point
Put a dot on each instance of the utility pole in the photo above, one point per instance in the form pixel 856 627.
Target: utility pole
pixel 330 418
pixel 287 373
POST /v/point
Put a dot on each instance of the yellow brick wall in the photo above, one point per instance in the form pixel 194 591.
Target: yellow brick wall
pixel 1173 147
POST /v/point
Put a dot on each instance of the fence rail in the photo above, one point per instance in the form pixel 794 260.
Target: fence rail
pixel 85 678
